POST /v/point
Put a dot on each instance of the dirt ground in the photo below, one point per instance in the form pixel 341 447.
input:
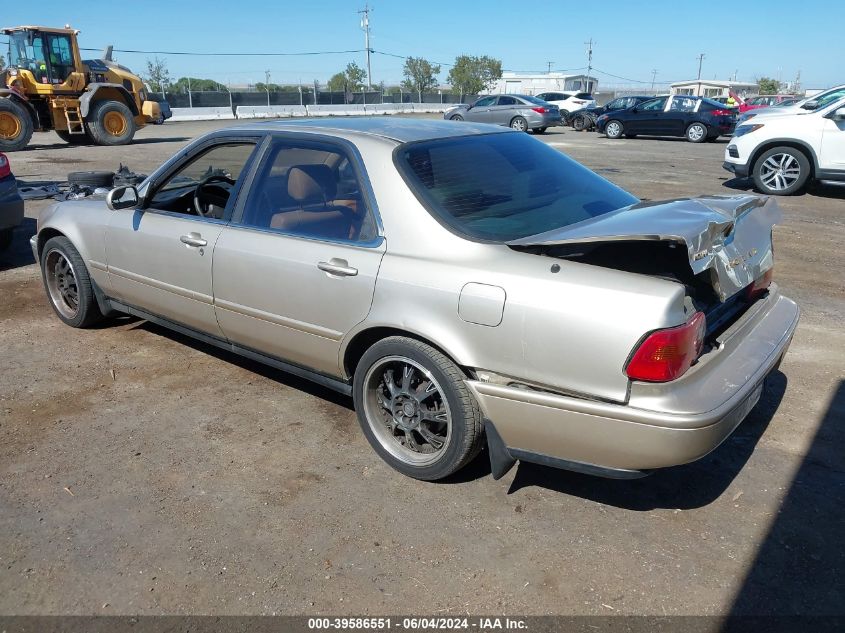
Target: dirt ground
pixel 144 473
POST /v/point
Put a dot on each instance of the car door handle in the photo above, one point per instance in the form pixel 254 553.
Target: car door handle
pixel 193 239
pixel 339 267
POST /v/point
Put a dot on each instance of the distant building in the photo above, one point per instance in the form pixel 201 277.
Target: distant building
pixel 535 83
pixel 713 88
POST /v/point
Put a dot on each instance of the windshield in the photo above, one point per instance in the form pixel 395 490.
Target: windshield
pixel 825 99
pixel 502 187
pixel 26 51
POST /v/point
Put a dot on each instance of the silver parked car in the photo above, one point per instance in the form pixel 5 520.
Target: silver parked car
pixel 461 282
pixel 520 112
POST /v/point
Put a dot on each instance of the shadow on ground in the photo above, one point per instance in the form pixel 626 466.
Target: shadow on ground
pixel 799 569
pixel 690 486
pixel 819 189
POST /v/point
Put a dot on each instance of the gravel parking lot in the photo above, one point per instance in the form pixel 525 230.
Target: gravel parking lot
pixel 144 473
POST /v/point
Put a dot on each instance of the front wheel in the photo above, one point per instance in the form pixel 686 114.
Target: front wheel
pixel 111 123
pixel 68 284
pixel 614 129
pixel 456 117
pixel 781 171
pixel 579 123
pixel 696 133
pixel 15 126
pixel 415 408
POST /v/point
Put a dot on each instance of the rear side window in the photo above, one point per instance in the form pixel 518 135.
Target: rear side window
pixel 507 101
pixel 502 187
pixel 583 95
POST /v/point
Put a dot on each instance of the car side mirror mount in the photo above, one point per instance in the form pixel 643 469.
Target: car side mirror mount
pixel 838 114
pixel 635 109
pixel 810 105
pixel 122 198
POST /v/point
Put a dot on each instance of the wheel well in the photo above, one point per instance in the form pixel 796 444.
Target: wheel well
pixel 45 235
pixel 366 339
pixel 772 144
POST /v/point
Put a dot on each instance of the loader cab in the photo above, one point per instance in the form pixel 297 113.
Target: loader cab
pixel 50 56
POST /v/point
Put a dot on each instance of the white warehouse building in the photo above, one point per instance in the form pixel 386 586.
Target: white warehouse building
pixel 535 83
pixel 713 88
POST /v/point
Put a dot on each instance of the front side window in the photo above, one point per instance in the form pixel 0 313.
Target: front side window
pixel 655 105
pixel 203 186
pixel 485 101
pixel 310 190
pixel 502 187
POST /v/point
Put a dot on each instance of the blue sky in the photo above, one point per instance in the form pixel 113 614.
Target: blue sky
pixel 751 38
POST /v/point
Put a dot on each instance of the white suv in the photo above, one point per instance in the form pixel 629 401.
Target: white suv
pixel 568 101
pixel 783 152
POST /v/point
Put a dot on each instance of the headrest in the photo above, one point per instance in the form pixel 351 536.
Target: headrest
pixel 311 183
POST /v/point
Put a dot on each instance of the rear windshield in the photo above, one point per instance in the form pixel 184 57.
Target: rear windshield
pixel 533 100
pixel 502 187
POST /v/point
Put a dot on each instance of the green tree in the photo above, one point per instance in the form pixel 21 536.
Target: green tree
pixel 197 85
pixel 271 87
pixel 157 75
pixel 420 75
pixel 355 76
pixel 337 83
pixel 768 86
pixel 471 75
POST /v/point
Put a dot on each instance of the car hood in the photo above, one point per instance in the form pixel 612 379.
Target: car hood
pixel 729 236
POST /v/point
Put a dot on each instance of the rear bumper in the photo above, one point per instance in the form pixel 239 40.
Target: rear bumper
pixel 644 434
pixel 11 211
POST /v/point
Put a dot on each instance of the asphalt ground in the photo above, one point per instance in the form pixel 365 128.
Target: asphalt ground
pixel 145 473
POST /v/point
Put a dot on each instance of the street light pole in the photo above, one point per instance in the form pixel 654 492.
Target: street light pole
pixel 700 59
pixel 267 85
pixel 365 26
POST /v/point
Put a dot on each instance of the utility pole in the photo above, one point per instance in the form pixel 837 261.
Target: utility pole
pixel 190 100
pixel 589 62
pixel 700 59
pixel 653 75
pixel 267 85
pixel 550 66
pixel 365 26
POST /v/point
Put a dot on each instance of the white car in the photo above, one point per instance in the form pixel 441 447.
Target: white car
pixel 782 153
pixel 568 101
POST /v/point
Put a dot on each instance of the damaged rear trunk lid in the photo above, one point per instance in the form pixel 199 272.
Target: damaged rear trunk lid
pixel 726 242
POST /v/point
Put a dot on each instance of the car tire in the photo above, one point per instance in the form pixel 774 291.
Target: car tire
pixel 91 178
pixel 68 284
pixel 422 381
pixel 781 171
pixel 456 117
pixel 74 139
pixel 696 133
pixel 15 126
pixel 519 124
pixel 111 123
pixel 579 123
pixel 614 129
pixel 538 130
pixel 6 236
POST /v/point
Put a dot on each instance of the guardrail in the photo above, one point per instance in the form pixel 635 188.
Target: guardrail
pixel 289 111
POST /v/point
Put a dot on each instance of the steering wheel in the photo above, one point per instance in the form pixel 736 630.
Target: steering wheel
pixel 210 198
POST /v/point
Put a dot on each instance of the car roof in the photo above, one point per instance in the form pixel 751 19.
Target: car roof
pixel 397 129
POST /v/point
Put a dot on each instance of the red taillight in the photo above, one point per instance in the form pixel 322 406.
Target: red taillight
pixel 666 354
pixel 5 168
pixel 760 285
pixel 722 112
pixel 540 109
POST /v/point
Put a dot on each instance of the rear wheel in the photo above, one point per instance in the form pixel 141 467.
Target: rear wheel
pixel 415 408
pixel 456 117
pixel 519 124
pixel 538 130
pixel 781 171
pixel 614 129
pixel 15 126
pixel 696 133
pixel 68 284
pixel 579 123
pixel 111 123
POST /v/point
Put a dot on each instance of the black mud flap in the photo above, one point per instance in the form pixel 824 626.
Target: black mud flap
pixel 501 461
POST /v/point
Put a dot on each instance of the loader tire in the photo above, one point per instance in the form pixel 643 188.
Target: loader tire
pixel 111 123
pixel 15 126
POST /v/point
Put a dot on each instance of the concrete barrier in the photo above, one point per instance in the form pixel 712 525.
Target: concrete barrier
pixel 432 108
pixel 270 112
pixel 201 114
pixel 349 109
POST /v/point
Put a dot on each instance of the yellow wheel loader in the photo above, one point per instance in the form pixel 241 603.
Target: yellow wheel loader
pixel 48 86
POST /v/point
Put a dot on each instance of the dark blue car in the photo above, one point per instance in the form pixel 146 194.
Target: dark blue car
pixel 11 205
pixel 695 118
pixel 586 119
